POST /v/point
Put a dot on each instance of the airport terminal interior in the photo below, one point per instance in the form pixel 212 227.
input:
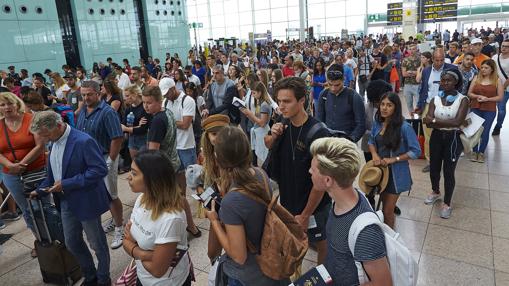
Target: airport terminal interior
pixel 170 41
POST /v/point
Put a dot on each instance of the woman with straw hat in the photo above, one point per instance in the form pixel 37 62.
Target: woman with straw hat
pixel 392 143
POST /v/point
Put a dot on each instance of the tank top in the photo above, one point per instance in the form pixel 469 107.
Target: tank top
pixel 489 90
pixel 447 112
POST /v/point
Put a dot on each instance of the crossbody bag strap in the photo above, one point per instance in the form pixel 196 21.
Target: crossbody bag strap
pixel 9 141
pixel 500 67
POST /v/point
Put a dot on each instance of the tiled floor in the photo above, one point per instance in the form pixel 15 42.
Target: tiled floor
pixel 471 248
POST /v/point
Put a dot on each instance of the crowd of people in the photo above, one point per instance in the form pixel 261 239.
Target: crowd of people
pixel 279 106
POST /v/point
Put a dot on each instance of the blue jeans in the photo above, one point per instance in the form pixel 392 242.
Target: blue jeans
pixel 15 187
pixel 501 110
pixel 73 232
pixel 411 92
pixel 489 117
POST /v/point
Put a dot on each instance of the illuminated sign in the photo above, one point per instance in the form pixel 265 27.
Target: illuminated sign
pixel 394 14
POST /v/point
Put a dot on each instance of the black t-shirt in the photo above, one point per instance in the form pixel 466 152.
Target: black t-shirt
pixel 139 112
pixel 488 50
pixel 120 110
pixel 382 60
pixel 158 127
pixel 295 184
pixel 45 92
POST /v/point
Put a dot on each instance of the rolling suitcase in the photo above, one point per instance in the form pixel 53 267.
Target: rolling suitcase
pixel 57 264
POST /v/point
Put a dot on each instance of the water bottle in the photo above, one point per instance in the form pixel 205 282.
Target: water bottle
pixel 130 119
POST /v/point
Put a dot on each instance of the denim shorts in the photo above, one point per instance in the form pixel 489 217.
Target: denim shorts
pixel 187 157
pixel 136 142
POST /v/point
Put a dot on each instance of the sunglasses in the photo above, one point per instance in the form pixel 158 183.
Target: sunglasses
pixel 334 75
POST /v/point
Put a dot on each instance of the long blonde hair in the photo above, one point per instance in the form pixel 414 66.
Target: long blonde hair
pixel 162 192
pixel 493 77
pixel 210 168
pixel 57 80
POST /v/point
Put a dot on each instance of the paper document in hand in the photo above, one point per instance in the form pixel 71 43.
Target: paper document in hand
pixel 237 102
pixel 476 122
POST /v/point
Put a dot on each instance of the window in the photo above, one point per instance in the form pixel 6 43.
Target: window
pixel 91 11
pixel 112 11
pixel 157 12
pixel 38 10
pixel 122 12
pixel 23 9
pixel 7 9
pixel 101 12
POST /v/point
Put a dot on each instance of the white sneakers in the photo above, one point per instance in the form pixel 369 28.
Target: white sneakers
pixel 118 235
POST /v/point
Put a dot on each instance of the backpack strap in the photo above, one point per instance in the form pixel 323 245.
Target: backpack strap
pixel 500 67
pixel 360 222
pixel 312 132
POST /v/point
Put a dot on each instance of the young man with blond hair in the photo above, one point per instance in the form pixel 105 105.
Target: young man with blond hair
pixel 334 167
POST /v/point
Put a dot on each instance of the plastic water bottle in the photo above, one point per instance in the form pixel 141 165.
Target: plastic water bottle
pixel 130 119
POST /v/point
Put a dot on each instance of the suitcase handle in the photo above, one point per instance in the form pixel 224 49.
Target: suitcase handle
pixel 36 227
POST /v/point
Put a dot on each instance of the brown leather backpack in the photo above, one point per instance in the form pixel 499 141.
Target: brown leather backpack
pixel 284 244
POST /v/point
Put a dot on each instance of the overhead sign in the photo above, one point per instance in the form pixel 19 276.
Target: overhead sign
pixel 431 11
pixel 395 14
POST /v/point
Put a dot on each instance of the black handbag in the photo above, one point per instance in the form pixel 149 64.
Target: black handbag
pixel 31 180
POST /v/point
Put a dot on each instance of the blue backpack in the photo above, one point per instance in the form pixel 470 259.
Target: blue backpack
pixel 66 112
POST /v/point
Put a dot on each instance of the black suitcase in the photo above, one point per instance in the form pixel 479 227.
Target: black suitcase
pixel 57 264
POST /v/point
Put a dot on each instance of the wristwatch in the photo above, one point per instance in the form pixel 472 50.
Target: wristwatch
pixel 397 159
pixel 434 120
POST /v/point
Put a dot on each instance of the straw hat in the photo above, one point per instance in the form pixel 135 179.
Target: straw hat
pixel 372 176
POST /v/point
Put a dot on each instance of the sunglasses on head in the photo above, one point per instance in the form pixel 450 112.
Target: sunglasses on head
pixel 334 75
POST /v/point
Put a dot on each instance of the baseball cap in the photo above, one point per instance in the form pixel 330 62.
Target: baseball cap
pixel 476 41
pixel 165 84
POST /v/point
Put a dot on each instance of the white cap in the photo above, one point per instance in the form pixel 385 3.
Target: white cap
pixel 165 84
pixel 476 41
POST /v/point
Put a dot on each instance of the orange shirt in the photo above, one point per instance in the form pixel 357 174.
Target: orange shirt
pixel 152 82
pixel 489 90
pixel 477 60
pixel 22 142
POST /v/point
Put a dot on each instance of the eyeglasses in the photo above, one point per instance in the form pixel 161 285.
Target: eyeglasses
pixel 506 46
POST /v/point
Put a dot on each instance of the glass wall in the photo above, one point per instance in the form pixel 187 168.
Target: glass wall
pixel 237 18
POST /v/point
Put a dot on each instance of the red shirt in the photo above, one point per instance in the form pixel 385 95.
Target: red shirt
pixel 288 71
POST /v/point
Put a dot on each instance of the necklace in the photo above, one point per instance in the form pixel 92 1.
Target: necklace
pixel 291 139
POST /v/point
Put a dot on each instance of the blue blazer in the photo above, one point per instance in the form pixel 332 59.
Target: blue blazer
pixel 83 172
pixel 423 90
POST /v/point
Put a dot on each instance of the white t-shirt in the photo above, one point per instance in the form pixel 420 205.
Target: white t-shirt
pixel 185 138
pixel 351 63
pixel 194 79
pixel 505 65
pixel 169 227
pixel 61 90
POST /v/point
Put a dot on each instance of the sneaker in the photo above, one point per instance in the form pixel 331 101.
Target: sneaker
pixel 2 225
pixel 474 157
pixel 8 216
pixel 445 212
pixel 108 226
pixel 431 199
pixel 425 169
pixel 496 131
pixel 480 158
pixel 118 237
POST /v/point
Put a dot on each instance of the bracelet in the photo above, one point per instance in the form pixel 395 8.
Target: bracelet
pixel 132 250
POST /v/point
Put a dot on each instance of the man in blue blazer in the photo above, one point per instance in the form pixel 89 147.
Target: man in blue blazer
pixel 430 85
pixel 76 169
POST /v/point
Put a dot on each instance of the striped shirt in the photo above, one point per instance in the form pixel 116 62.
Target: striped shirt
pixel 102 124
pixel 370 244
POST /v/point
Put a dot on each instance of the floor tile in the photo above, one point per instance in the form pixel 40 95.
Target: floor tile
pixel 464 218
pixel 420 189
pixel 471 197
pixel 500 224
pixel 501 251
pixel 414 209
pixel 499 182
pixel 498 168
pixel 28 274
pixel 13 255
pixel 465 165
pixel 439 271
pixel 198 251
pixel 499 201
pixel 501 278
pixel 470 179
pixel 202 278
pixel 469 247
